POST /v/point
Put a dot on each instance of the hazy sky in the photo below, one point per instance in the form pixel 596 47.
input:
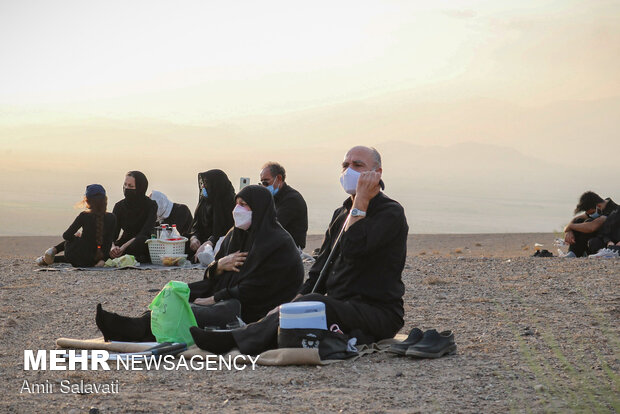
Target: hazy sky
pixel 89 90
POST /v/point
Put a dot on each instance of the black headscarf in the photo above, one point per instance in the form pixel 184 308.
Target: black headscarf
pixel 272 272
pixel 213 215
pixel 137 198
pixel 135 214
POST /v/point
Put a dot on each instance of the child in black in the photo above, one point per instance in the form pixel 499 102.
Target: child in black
pixel 91 247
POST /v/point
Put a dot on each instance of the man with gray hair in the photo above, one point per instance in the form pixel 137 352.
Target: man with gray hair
pixel 291 209
pixel 360 283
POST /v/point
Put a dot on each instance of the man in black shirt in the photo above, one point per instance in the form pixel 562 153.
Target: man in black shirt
pixel 363 289
pixel 583 232
pixel 291 209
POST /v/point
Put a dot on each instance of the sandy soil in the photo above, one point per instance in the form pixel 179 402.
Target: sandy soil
pixel 533 335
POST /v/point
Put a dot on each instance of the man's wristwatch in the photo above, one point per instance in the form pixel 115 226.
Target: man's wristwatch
pixel 358 213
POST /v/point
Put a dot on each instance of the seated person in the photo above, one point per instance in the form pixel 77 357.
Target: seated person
pixel 582 232
pixel 609 232
pixel 363 291
pixel 91 246
pixel 213 215
pixel 135 215
pixel 257 267
pixel 291 208
pixel 172 213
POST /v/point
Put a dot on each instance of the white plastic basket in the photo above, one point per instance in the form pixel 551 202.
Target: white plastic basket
pixel 160 248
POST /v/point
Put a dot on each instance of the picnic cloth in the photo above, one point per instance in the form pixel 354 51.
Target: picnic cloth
pixel 65 267
pixel 273 357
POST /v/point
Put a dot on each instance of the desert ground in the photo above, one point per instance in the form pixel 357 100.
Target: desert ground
pixel 533 335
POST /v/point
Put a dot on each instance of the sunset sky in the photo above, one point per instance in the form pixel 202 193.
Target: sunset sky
pixel 493 116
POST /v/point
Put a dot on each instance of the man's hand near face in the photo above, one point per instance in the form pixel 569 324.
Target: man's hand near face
pixel 367 188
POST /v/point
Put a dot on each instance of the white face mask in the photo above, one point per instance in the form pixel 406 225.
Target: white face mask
pixel 242 217
pixel 348 180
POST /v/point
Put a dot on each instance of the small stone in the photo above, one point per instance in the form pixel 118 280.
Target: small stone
pixel 93 410
pixel 539 387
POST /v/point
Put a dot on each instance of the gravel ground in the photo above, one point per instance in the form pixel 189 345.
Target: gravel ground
pixel 533 335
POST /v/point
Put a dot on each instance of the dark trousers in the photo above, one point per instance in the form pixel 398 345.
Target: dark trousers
pixel 367 322
pixel 77 253
pixel 588 243
pixel 125 328
pixel 585 243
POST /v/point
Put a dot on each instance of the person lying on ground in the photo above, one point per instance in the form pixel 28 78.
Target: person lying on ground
pixel 291 209
pixel 363 291
pixel 212 217
pixel 135 216
pixel 257 267
pixel 582 233
pixel 88 239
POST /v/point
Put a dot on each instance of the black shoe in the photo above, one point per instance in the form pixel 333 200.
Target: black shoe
pixel 401 348
pixel 433 345
pixel 542 253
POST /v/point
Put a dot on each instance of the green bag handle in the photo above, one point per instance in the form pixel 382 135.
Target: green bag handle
pixel 171 314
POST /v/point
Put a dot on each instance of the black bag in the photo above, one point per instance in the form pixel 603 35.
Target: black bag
pixel 225 314
pixel 331 345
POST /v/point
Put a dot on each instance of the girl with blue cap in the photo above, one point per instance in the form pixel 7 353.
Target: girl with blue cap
pixel 91 246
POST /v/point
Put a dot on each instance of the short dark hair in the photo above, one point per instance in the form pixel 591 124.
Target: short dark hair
pixel 587 201
pixel 275 169
pixel 376 156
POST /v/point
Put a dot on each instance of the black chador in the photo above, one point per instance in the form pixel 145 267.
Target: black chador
pixel 271 275
pixel 135 215
pixel 213 215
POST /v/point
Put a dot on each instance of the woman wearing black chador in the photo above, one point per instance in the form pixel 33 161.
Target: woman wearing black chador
pixel 135 215
pixel 257 268
pixel 213 215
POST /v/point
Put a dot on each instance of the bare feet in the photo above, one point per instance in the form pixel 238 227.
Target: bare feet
pixel 100 263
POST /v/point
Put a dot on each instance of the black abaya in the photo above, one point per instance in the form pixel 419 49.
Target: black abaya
pixel 213 215
pixel 272 272
pixel 135 215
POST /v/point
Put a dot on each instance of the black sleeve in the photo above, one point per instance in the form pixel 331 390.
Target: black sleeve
pixel 74 227
pixel 371 233
pixel 249 286
pixel 184 225
pixel 149 223
pixel 607 229
pixel 213 239
pixel 195 231
pixel 117 211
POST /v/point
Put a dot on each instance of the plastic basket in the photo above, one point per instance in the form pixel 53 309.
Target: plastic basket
pixel 160 248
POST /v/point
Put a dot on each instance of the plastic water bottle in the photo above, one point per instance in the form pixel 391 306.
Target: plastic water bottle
pixel 174 233
pixel 165 232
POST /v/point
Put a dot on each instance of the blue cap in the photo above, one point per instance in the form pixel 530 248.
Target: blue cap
pixel 94 189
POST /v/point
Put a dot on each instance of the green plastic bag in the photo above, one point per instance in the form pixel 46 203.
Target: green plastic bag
pixel 171 314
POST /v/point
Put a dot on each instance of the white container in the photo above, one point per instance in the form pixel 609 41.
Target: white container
pixel 159 248
pixel 303 315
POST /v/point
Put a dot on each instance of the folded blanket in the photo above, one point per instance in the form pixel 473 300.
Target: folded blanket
pixel 273 357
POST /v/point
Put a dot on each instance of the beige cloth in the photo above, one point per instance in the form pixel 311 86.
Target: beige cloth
pixel 273 357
